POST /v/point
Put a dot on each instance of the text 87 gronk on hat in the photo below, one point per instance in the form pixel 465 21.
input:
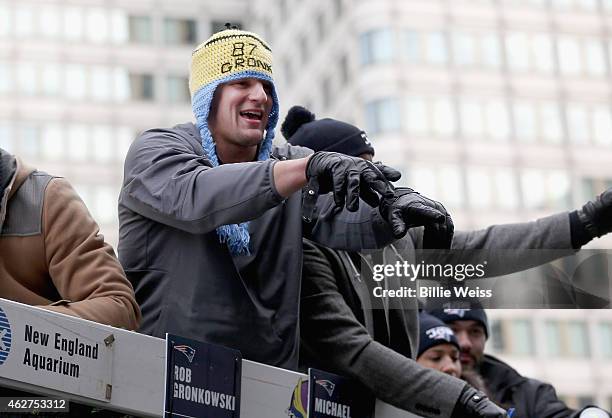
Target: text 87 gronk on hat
pixel 226 56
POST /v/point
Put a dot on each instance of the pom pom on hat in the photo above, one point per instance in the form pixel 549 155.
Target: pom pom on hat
pixel 296 117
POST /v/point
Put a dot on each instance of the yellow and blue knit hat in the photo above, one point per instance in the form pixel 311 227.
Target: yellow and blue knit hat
pixel 228 55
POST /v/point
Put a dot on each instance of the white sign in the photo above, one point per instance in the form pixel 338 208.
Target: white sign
pixel 70 355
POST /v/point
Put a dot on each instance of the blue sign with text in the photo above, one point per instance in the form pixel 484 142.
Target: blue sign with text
pixel 330 395
pixel 202 380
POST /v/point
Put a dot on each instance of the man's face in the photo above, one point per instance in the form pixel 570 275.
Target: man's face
pixel 239 113
pixel 472 338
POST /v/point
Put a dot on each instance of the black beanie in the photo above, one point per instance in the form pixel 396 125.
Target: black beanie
pixel 301 128
pixel 434 332
pixel 452 315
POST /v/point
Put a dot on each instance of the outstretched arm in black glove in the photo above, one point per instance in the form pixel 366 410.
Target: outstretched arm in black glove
pixel 406 209
pixel 473 403
pixel 596 215
pixel 349 178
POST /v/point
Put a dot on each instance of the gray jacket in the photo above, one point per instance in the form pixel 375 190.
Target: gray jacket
pixel 186 281
pixel 340 331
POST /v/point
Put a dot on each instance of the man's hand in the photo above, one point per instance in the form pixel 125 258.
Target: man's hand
pixel 389 172
pixel 407 208
pixel 596 215
pixel 473 403
pixel 348 178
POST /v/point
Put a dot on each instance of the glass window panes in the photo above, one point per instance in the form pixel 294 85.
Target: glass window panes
pixel 464 48
pixel 518 51
pixel 383 115
pixel 533 186
pixel 550 123
pixel 52 144
pixel 506 196
pixel 443 117
pixel 27 80
pixel 101 83
pixel 75 81
pixel 553 338
pixel 579 126
pixel 49 20
pixel 436 50
pixel 490 50
pixel 178 89
pixel 121 84
pixel 7 139
pixel 141 87
pixel 180 31
pixel 6 83
pixel 124 139
pixel 140 29
pixel 73 23
pixel 497 335
pixel 102 143
pixel 410 44
pixel 120 28
pixel 497 120
pixel 51 79
pixel 472 122
pixel 5 19
pixel 577 339
pixel 525 121
pixel 602 125
pixel 24 20
pixel 105 204
pixel 542 53
pixel 78 143
pixel 451 187
pixel 595 61
pixel 97 25
pixel 417 119
pixel 570 60
pixel 29 140
pixel 522 341
pixel 605 339
pixel 558 189
pixel 376 46
pixel 424 179
pixel 479 188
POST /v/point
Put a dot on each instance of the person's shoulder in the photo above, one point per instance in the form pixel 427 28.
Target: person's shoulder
pixel 186 133
pixel 286 151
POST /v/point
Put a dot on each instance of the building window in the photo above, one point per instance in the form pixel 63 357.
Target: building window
pixel 51 79
pixel 605 335
pixel 78 143
pixel 410 42
pixel 140 29
pixel 577 338
pixel 141 87
pixel 97 25
pixel 52 142
pixel 6 82
pixel 24 20
pixel 73 23
pixel 27 78
pixel 436 49
pixel 29 145
pixel 476 49
pixel 49 21
pixel 479 188
pixel 376 46
pixel 75 81
pixel 497 336
pixel 383 116
pixel 545 189
pixel 553 338
pixel 101 83
pixel 522 333
pixel 417 119
pixel 180 31
pixel 5 20
pixel 178 89
pixel 529 52
pixel 7 140
pixel 102 143
pixel 602 126
pixel 105 205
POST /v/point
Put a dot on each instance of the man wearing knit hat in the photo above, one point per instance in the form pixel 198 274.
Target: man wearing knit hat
pixel 530 397
pixel 211 215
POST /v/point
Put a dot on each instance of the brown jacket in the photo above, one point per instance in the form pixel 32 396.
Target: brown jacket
pixel 52 255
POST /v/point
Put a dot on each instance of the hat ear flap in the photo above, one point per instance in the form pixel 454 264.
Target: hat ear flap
pixel 296 117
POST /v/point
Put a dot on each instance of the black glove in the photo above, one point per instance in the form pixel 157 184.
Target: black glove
pixel 389 172
pixel 407 208
pixel 439 235
pixel 596 215
pixel 473 403
pixel 348 177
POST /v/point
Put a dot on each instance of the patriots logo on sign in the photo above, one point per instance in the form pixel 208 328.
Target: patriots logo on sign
pixel 458 312
pixel 327 385
pixel 188 351
pixel 5 337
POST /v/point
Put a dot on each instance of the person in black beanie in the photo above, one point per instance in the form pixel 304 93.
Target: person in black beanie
pixel 340 333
